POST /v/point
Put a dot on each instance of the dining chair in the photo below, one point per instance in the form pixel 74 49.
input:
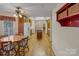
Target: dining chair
pixel 23 44
pixel 8 49
pixel 0 50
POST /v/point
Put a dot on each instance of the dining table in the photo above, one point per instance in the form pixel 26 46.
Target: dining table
pixel 12 38
pixel 15 39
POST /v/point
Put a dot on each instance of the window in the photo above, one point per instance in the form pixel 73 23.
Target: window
pixel 8 27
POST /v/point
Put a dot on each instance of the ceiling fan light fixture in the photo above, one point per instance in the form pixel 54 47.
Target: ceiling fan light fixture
pixel 20 16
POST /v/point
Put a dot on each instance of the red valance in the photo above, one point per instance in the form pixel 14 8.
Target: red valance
pixel 7 18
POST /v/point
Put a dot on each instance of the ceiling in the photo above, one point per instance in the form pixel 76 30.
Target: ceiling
pixel 32 9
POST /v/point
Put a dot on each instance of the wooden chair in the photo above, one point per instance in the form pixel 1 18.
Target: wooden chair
pixel 0 50
pixel 8 49
pixel 23 44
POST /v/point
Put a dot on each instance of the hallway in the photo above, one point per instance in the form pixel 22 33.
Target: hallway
pixel 41 47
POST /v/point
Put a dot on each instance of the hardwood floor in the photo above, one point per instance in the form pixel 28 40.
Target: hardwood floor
pixel 41 47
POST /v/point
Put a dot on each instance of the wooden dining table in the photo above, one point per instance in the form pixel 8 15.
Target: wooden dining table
pixel 12 38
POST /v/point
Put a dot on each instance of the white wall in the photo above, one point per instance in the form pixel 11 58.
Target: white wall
pixel 1 28
pixel 6 13
pixel 65 39
pixel 33 26
pixel 15 26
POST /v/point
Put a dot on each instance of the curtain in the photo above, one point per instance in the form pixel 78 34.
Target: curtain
pixel 26 29
pixel 8 27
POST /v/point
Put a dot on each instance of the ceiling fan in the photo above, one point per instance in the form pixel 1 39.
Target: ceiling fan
pixel 20 11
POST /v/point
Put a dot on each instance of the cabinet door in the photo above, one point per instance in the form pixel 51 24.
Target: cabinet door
pixel 62 14
pixel 73 9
